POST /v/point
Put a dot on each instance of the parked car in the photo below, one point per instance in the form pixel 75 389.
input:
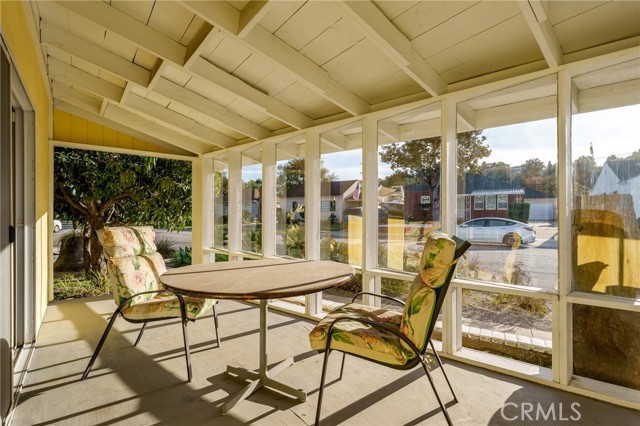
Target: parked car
pixel 357 211
pixel 57 225
pixel 496 230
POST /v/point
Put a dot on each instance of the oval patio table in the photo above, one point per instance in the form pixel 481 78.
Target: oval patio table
pixel 258 280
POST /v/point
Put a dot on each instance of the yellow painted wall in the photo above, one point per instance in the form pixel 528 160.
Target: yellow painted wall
pixel 23 48
pixel 70 128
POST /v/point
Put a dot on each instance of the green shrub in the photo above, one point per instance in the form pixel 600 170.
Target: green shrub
pixel 166 246
pixel 519 212
pixel 295 241
pixel 181 257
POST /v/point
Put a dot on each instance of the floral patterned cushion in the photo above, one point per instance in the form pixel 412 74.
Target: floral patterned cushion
pixel 437 259
pixel 135 274
pixel 166 305
pixel 125 241
pixel 362 339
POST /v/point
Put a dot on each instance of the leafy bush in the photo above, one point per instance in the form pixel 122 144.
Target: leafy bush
pixel 181 257
pixel 69 286
pixel 295 241
pixel 519 212
pixel 166 246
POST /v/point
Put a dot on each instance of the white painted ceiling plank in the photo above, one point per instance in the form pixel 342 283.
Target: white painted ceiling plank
pixel 251 15
pixel 265 43
pixel 156 130
pixel 305 70
pixel 179 121
pixel 199 42
pixel 211 109
pixel 97 55
pixel 114 125
pixel 264 102
pixel 542 31
pixel 394 44
pixel 130 28
pixel 66 73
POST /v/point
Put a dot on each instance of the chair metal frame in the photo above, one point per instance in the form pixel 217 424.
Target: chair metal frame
pixel 461 248
pixel 183 317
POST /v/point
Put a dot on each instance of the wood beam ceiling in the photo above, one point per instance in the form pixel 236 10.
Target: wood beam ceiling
pixel 534 12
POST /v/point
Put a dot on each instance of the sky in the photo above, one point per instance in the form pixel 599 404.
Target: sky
pixel 612 132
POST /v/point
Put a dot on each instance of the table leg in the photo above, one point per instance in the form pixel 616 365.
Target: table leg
pixel 262 377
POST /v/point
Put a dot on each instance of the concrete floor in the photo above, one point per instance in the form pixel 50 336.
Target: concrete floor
pixel 146 385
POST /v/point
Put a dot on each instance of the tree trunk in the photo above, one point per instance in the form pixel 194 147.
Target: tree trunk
pixel 92 256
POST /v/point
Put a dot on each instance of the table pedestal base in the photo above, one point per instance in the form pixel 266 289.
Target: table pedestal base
pixel 262 377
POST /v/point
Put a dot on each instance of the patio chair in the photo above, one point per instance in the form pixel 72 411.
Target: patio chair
pixel 134 268
pixel 387 337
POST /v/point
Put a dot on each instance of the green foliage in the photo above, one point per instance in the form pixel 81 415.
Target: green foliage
pixel 295 241
pixel 519 211
pixel 181 257
pixel 291 174
pixel 121 188
pixel 252 240
pixel 221 257
pixel 395 288
pixel 166 246
pixel 69 286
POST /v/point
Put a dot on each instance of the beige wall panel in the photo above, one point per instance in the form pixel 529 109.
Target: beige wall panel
pixel 469 23
pixel 307 102
pixel 308 22
pixel 170 18
pixel 589 29
pixel 427 15
pixel 339 37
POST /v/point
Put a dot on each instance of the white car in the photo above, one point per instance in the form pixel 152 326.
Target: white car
pixel 496 230
pixel 57 225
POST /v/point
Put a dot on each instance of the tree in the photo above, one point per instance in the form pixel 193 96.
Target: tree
pixel 419 160
pixel 94 189
pixel 584 172
pixel 291 173
pixel 499 171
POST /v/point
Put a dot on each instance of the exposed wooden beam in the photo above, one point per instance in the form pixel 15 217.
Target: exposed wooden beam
pixel 336 140
pixel 535 15
pixel 179 121
pixel 288 59
pixel 112 19
pixel 203 37
pixel 76 97
pixel 156 73
pixel 60 71
pixel 258 99
pixel 97 55
pixel 251 15
pixel 394 45
pixel 103 121
pixel 206 106
pixel 304 70
pixel 156 130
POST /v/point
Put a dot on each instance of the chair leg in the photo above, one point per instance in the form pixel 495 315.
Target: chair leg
pixel 99 347
pixel 455 398
pixel 215 320
pixel 442 407
pixel 344 355
pixel 187 353
pixel 140 335
pixel 321 391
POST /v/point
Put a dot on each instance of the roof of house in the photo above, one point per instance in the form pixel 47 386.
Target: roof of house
pixel 625 169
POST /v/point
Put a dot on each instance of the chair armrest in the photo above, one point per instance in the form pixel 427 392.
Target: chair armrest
pixel 372 323
pixel 377 295
pixel 123 304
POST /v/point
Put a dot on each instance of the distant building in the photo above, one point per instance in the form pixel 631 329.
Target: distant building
pixel 620 177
